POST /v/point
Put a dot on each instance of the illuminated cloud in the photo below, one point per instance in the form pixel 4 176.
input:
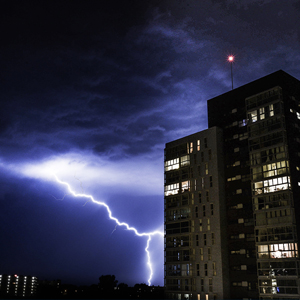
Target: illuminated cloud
pixel 137 175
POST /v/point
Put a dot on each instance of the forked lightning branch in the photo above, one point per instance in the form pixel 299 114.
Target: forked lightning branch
pixel 118 223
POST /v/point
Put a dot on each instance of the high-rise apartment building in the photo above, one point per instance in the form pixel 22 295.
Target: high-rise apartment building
pixel 246 167
pixel 17 286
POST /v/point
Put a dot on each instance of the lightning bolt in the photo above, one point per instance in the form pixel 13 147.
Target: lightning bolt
pixel 118 223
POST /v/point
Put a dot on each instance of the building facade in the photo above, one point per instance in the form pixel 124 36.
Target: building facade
pixel 17 286
pixel 195 260
pixel 260 186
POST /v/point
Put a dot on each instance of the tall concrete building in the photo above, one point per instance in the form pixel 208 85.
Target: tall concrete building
pixel 232 206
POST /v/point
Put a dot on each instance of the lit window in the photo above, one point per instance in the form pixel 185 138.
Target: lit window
pixel 172 189
pixel 237 163
pixel 271 110
pixel 198 145
pixel 172 164
pixel 253 116
pixel 190 147
pixel 185 160
pixel 201 253
pixel 239 191
pixel 214 269
pixel 206 168
pixel 185 186
pixel 262 113
pixel 243 123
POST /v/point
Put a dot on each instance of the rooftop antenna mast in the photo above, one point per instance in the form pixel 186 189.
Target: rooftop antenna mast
pixel 230 59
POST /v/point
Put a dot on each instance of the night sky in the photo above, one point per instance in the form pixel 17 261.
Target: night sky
pixel 91 91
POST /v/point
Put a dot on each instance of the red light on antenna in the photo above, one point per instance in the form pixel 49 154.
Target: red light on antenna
pixel 230 58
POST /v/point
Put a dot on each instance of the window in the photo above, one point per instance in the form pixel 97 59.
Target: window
pixel 201 253
pixel 262 113
pixel 271 110
pixel 236 149
pixel 210 287
pixel 272 185
pixel 212 238
pixel 252 116
pixel 205 270
pixel 185 186
pixel 198 145
pixel 210 181
pixel 197 240
pixel 172 189
pixel 196 211
pixel 207 196
pixel 202 156
pixel 237 163
pixel 214 269
pixel 208 224
pixel 205 142
pixel 198 270
pixel 200 225
pixel 243 123
pixel 209 253
pixel 190 147
pixel 202 284
pixel 203 210
pixel 202 182
pixel 239 191
pixel 212 209
pixel 204 239
pixel 172 164
pixel 185 160
pixel 200 197
pixel 206 168
pixel 209 154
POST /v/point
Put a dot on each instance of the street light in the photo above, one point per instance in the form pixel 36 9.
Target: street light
pixel 230 59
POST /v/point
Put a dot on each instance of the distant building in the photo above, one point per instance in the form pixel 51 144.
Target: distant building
pixel 17 286
pixel 232 197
